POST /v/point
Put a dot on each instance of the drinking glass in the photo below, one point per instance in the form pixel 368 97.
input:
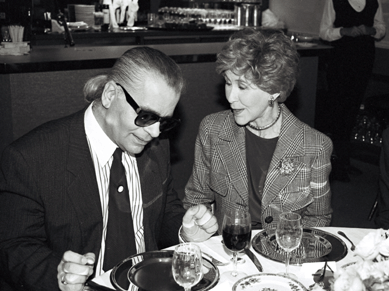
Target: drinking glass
pixel 151 18
pixel 187 265
pixel 236 237
pixel 289 232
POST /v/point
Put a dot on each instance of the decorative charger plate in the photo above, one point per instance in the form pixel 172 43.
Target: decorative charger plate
pixel 316 246
pixel 152 271
pixel 263 281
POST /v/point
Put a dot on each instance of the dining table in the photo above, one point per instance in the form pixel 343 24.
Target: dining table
pixel 215 248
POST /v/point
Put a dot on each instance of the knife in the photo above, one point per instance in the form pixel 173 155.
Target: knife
pixel 254 259
pixel 93 286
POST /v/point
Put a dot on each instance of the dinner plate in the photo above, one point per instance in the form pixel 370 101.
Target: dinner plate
pixel 316 246
pixel 305 38
pixel 133 28
pixel 306 44
pixel 180 27
pixel 80 25
pixel 152 271
pixel 348 265
pixel 269 281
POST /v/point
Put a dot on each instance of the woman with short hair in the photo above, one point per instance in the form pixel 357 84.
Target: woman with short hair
pixel 258 155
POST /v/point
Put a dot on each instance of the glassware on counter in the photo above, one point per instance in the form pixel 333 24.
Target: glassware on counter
pixel 208 16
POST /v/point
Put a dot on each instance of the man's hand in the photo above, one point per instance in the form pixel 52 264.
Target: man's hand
pixel 198 224
pixel 74 269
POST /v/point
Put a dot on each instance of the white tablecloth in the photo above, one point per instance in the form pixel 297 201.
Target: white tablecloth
pixel 214 247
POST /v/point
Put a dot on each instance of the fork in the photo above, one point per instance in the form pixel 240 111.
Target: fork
pixel 216 262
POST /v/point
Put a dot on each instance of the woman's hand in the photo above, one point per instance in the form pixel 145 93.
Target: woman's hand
pixel 357 31
pixel 367 30
pixel 198 224
pixel 350 31
pixel 74 269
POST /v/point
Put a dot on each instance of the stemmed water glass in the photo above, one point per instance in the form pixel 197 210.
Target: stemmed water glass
pixel 187 265
pixel 236 237
pixel 289 233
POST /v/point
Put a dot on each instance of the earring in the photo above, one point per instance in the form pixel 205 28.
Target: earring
pixel 271 101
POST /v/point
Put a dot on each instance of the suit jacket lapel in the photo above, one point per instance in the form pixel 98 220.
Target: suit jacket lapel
pixel 150 185
pixel 232 150
pixel 82 185
pixel 288 149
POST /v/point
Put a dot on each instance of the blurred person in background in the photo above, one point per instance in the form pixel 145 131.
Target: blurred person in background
pixel 352 27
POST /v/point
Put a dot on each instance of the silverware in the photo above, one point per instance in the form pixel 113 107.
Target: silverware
pixel 92 286
pixel 320 281
pixel 254 259
pixel 215 261
pixel 345 236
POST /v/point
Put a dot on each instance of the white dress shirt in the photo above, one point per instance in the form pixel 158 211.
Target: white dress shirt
pixel 329 33
pixel 102 149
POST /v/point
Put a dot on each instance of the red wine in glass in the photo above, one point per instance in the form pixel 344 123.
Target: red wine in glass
pixel 236 237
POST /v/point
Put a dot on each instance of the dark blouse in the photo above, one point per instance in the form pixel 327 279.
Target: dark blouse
pixel 259 152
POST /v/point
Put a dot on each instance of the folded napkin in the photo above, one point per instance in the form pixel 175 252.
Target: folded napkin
pixel 56 27
pixel 14 48
pixel 214 247
pixel 225 286
pixel 104 280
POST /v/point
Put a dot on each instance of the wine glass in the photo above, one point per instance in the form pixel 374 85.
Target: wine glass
pixel 236 237
pixel 187 265
pixel 288 234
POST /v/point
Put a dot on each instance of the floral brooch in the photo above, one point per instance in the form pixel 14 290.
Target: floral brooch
pixel 287 166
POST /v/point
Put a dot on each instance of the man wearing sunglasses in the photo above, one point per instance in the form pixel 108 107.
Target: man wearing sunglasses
pixel 55 216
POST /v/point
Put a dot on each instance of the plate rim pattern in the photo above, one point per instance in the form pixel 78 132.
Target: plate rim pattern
pixel 251 277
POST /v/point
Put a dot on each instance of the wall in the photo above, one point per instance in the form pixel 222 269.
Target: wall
pixel 299 15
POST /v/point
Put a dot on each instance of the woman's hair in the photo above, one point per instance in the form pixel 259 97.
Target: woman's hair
pixel 131 69
pixel 266 57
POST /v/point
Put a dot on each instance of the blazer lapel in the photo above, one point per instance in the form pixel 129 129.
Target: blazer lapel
pixel 150 185
pixel 231 148
pixel 82 185
pixel 289 148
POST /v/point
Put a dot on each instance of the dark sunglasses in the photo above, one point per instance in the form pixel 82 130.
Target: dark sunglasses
pixel 146 118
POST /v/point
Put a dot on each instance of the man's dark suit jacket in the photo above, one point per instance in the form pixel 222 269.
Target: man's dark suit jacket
pixel 50 202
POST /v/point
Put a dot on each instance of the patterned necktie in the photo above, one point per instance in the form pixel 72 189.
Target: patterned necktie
pixel 120 239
